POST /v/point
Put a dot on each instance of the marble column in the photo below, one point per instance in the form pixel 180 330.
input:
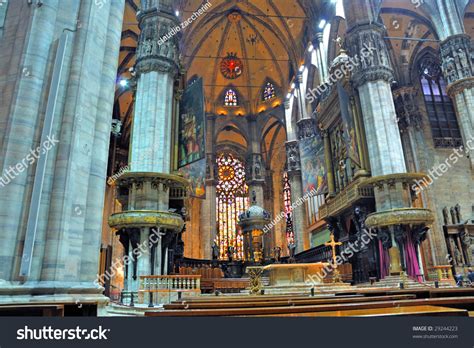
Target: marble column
pixel 66 242
pixel 373 78
pixel 255 166
pixel 156 67
pixel 409 122
pixel 149 179
pixel 294 176
pixel 208 217
pixel 458 67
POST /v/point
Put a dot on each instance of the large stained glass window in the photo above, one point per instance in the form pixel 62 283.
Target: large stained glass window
pixel 231 98
pixel 443 121
pixel 290 234
pixel 232 200
pixel 269 92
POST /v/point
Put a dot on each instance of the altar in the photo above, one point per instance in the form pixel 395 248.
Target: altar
pixel 295 273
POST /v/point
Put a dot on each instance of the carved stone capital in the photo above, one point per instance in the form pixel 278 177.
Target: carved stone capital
pixel 158 42
pixel 306 128
pixel 460 86
pixel 457 57
pixel 293 156
pixel 369 55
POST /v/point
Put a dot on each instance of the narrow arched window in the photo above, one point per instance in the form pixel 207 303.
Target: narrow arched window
pixel 231 98
pixel 269 92
pixel 441 114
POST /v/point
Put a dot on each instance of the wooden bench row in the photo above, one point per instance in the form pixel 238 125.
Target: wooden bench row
pixel 282 303
pixel 301 310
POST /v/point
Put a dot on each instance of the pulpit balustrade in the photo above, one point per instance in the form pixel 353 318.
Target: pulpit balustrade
pixel 168 287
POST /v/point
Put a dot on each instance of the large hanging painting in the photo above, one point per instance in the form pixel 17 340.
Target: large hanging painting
pixel 196 174
pixel 313 167
pixel 192 125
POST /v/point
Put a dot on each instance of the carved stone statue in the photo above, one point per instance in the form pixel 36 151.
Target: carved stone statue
pixel 453 216
pixel 277 254
pixel 254 197
pixel 457 210
pixel 258 170
pixel 230 253
pixel 445 216
pixel 215 251
pixel 292 250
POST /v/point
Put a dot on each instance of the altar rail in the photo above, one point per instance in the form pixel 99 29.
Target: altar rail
pixel 444 273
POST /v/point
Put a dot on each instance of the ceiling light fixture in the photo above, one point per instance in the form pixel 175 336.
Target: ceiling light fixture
pixel 322 24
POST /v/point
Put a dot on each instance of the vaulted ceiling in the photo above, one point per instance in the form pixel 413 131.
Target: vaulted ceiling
pixel 266 35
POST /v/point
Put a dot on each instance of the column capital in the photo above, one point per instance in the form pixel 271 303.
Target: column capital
pixel 306 128
pixel 293 157
pixel 457 58
pixel 158 42
pixel 370 56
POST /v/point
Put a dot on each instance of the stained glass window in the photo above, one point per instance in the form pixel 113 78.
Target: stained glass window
pixel 269 92
pixel 290 234
pixel 232 200
pixel 443 121
pixel 231 98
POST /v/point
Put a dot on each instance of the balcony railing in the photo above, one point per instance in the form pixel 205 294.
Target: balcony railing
pixel 345 199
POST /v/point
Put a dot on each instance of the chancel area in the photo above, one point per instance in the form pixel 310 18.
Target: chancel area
pixel 237 158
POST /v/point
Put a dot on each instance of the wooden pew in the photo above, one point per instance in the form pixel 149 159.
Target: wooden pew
pixel 456 302
pixel 432 311
pixel 251 298
pixel 283 303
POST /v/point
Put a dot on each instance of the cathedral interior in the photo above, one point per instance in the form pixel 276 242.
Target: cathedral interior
pixel 158 149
